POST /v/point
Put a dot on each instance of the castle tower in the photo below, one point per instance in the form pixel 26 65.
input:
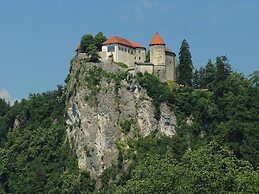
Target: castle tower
pixel 157 50
pixel 157 56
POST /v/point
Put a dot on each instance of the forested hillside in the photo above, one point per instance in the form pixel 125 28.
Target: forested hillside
pixel 35 155
pixel 216 149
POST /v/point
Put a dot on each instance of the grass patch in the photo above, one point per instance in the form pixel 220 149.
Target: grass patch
pixel 123 65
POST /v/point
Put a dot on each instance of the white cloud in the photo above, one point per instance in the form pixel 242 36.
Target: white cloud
pixel 4 94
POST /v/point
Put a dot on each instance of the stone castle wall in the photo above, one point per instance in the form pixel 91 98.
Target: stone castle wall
pixel 157 54
pixel 124 54
pixel 170 67
pixel 162 63
pixel 149 68
pixel 140 56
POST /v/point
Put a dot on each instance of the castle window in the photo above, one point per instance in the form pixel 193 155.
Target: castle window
pixel 119 48
pixel 170 62
pixel 139 58
pixel 131 52
pixel 111 48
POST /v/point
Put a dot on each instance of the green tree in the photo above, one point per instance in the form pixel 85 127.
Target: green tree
pixel 86 41
pixel 69 183
pixel 91 45
pixel 93 53
pixel 87 185
pixel 214 169
pixel 34 154
pixel 207 75
pixel 223 68
pixel 98 40
pixel 210 169
pixel 204 78
pixel 185 67
pixel 4 107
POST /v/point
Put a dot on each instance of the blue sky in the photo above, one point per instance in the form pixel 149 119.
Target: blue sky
pixel 38 37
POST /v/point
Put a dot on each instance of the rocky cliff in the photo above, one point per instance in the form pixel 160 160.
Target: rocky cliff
pixel 105 108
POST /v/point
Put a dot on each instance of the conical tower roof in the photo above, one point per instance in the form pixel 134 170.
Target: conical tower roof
pixel 157 40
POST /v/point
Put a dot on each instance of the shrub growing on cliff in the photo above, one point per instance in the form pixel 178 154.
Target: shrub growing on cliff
pixel 91 45
pixel 86 41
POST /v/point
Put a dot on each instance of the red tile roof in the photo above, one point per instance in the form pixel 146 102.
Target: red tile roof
pixel 119 40
pixel 157 40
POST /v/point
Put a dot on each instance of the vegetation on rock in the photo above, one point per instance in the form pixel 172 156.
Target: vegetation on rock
pixel 216 149
pixel 91 45
pixel 35 155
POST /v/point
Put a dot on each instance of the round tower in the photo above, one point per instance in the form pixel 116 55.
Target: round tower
pixel 157 50
pixel 157 56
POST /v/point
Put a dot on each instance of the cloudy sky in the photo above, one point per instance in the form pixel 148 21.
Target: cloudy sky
pixel 38 38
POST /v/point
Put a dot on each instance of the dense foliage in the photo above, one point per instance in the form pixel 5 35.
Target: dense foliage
pixel 216 149
pixel 35 156
pixel 210 169
pixel 91 45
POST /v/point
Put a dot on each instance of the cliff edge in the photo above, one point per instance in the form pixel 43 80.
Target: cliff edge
pixel 105 108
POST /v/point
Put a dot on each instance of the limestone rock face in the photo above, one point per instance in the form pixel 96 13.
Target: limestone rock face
pixel 167 122
pixel 100 102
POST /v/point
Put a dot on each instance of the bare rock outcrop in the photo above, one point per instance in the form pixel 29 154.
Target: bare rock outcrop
pixel 101 101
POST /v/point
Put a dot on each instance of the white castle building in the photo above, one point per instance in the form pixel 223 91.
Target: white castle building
pixel 162 60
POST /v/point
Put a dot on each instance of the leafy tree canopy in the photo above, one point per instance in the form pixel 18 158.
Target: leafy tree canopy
pixel 91 45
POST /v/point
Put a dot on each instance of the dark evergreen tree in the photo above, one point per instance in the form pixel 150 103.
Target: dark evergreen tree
pixel 4 107
pixel 223 69
pixel 209 75
pixel 206 76
pixel 185 67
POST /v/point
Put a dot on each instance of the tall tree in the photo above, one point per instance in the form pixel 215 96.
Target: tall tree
pixel 223 69
pixel 4 107
pixel 209 75
pixel 185 67
pixel 206 76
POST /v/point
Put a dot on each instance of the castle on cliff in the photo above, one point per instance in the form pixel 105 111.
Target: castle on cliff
pixel 162 61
